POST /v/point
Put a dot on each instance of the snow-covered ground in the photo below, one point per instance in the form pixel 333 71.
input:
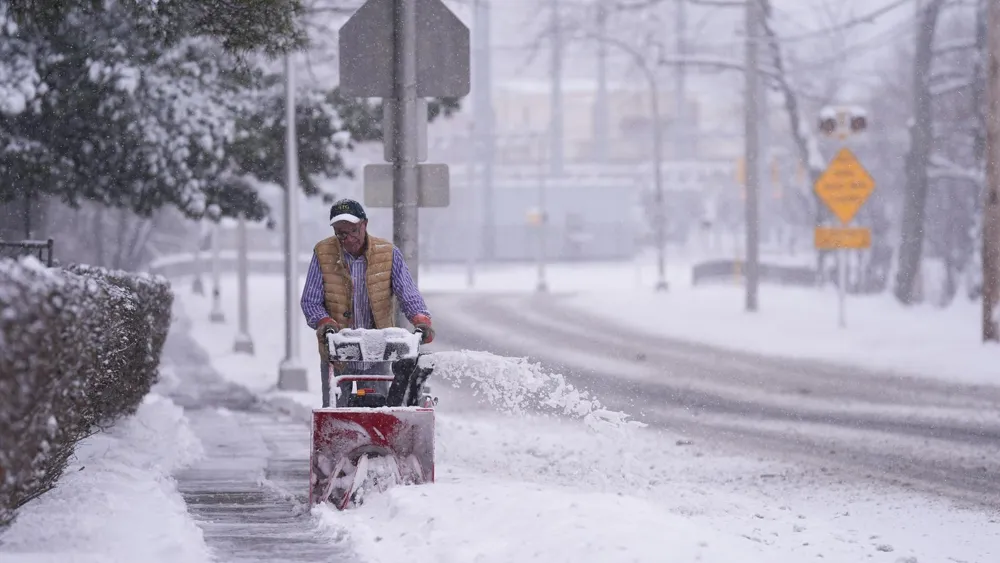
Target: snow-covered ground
pixel 117 501
pixel 518 487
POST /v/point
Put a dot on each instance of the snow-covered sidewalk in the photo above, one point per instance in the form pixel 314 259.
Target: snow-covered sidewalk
pixel 518 487
pixel 116 501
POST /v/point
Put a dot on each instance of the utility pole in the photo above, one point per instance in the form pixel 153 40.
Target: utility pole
pixel 405 217
pixel 484 142
pixel 751 155
pixel 556 123
pixel 291 373
pixel 601 117
pixel 991 200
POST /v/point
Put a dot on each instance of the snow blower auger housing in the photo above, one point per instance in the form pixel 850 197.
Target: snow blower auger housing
pixel 379 431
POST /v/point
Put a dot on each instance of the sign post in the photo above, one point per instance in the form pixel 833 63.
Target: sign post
pixel 404 51
pixel 844 187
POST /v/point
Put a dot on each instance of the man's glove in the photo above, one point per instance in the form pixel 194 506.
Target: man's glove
pixel 324 326
pixel 423 324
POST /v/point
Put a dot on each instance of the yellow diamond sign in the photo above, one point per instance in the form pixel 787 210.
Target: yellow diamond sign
pixel 844 185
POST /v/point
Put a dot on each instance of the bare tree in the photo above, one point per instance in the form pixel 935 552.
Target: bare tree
pixel 921 141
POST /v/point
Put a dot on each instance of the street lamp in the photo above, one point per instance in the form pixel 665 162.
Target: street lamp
pixel 291 373
pixel 659 213
pixel 216 315
pixel 243 343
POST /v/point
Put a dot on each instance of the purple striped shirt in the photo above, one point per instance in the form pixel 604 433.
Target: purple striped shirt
pixel 403 287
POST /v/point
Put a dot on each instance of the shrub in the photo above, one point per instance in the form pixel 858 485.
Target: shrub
pixel 79 348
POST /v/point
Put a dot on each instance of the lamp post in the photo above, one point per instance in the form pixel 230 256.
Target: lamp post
pixel 659 213
pixel 291 373
pixel 243 343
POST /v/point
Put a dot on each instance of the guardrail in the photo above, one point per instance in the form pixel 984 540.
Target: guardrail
pixel 733 270
pixel 18 248
pixel 182 265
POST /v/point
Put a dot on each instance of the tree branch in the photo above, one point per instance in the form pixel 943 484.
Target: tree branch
pixel 943 168
pixel 952 85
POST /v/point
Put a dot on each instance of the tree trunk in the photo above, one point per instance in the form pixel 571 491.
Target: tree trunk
pixel 921 139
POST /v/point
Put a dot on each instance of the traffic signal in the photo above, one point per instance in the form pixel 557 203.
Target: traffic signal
pixel 828 125
pixel 858 123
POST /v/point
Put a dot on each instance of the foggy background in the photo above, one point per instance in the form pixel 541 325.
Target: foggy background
pixel 572 123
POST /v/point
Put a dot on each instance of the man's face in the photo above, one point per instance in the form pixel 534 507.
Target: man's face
pixel 351 235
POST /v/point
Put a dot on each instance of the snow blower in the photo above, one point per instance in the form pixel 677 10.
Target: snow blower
pixel 379 432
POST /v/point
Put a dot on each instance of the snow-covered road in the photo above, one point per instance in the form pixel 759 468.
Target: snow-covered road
pixel 940 438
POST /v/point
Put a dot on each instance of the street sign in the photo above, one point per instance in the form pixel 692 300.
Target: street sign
pixel 389 129
pixel 433 185
pixel 442 51
pixel 845 185
pixel 837 238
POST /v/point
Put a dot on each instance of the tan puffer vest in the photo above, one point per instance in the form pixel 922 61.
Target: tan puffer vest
pixel 338 290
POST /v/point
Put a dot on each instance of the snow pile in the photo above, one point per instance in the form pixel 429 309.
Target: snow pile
pixel 79 348
pixel 117 501
pixel 418 525
pixel 516 386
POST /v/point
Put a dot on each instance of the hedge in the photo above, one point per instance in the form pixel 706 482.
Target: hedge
pixel 79 348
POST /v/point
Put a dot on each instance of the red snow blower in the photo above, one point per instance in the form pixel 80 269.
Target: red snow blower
pixel 380 431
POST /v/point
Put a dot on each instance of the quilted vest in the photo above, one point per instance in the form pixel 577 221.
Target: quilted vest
pixel 338 290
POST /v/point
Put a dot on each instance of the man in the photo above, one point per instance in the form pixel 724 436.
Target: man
pixel 351 282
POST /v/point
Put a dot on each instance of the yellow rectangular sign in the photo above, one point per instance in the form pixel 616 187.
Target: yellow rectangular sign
pixel 833 238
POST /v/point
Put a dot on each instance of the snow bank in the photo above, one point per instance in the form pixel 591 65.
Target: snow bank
pixel 516 521
pixel 117 501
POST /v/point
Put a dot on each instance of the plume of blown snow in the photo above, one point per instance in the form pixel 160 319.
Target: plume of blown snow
pixel 514 385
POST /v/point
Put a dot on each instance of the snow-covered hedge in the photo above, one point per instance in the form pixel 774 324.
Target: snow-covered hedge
pixel 79 348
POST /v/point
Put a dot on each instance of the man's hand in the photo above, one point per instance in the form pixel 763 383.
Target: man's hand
pixel 423 324
pixel 324 326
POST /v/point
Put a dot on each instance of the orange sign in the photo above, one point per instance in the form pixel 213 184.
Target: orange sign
pixel 844 186
pixel 834 238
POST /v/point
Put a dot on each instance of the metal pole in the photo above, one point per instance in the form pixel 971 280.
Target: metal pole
pixel 751 146
pixel 842 287
pixel 681 144
pixel 542 285
pixel 601 117
pixel 198 285
pixel 660 212
pixel 244 342
pixel 291 373
pixel 216 315
pixel 991 195
pixel 470 264
pixel 404 150
pixel 483 112
pixel 556 122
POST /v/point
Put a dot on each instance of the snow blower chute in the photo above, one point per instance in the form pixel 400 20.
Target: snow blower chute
pixel 380 430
